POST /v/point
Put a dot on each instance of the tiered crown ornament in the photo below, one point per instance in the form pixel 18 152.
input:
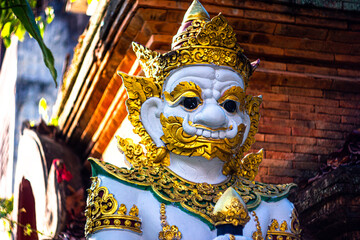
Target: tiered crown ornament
pixel 200 40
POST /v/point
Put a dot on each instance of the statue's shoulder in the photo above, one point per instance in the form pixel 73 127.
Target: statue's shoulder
pixel 254 192
pixel 111 203
pixel 135 177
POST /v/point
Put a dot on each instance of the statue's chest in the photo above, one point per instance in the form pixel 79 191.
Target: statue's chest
pixel 189 226
pixel 189 205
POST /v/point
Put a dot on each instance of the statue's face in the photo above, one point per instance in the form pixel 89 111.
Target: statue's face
pixel 203 112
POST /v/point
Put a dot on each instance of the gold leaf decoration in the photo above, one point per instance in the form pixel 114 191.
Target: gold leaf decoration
pixel 234 166
pixel 281 232
pixel 100 211
pixel 197 198
pixel 139 90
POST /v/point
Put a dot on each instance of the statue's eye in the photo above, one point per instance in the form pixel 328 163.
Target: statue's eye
pixel 190 102
pixel 230 106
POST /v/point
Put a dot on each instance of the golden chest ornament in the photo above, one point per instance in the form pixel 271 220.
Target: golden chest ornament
pixel 197 198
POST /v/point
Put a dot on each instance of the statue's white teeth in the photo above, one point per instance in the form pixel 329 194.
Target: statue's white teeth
pixel 199 131
pixel 222 134
pixel 215 134
pixel 206 133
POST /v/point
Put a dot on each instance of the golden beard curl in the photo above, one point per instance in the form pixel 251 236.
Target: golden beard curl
pixel 179 142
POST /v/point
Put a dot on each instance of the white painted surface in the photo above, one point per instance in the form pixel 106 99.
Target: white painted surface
pixel 31 165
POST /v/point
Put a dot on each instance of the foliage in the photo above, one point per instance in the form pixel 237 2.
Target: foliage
pixel 6 207
pixel 17 18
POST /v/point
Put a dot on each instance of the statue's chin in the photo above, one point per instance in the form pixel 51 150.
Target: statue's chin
pixel 197 168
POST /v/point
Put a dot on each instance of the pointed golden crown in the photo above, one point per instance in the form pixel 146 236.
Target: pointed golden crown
pixel 198 41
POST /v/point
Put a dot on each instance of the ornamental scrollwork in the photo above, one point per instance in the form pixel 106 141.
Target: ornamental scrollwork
pixel 139 89
pixel 168 232
pixel 235 214
pixel 282 231
pixel 102 211
pixel 197 198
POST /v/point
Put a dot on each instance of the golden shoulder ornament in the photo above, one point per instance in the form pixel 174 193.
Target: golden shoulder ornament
pixel 103 211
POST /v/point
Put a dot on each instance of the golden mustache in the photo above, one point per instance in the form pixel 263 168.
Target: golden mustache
pixel 179 142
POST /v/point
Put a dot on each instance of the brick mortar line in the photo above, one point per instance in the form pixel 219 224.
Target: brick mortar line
pixel 352 79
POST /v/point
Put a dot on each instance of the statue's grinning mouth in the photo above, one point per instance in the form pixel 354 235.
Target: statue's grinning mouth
pixel 176 132
pixel 204 131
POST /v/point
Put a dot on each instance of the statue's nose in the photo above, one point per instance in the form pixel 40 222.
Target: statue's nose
pixel 211 115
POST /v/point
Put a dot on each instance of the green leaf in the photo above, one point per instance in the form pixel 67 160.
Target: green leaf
pixel 23 12
pixel 2 214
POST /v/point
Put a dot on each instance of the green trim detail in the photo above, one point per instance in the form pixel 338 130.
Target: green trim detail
pixel 198 199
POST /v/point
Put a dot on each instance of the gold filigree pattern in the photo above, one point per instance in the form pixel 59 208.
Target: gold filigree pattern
pixel 179 142
pixel 183 89
pixel 257 235
pixel 168 232
pixel 281 232
pixel 139 89
pixel 215 43
pixel 190 32
pixel 197 198
pixel 249 166
pixel 101 211
pixel 295 224
pixel 231 210
pixel 234 166
pixel 234 93
pixel 149 60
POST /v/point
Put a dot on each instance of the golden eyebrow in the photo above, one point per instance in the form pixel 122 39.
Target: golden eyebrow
pixel 183 89
pixel 234 93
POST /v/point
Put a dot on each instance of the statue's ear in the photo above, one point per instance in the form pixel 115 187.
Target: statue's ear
pixel 150 118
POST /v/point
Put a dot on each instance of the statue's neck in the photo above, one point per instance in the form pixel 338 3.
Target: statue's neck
pixel 197 169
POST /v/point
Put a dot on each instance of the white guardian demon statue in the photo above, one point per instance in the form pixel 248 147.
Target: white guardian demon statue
pixel 188 178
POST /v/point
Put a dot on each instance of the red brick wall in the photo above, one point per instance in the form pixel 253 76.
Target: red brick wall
pixel 303 120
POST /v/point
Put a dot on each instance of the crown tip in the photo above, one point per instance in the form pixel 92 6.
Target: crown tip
pixel 196 11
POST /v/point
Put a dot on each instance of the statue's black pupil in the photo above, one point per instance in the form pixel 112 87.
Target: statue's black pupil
pixel 230 106
pixel 190 102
